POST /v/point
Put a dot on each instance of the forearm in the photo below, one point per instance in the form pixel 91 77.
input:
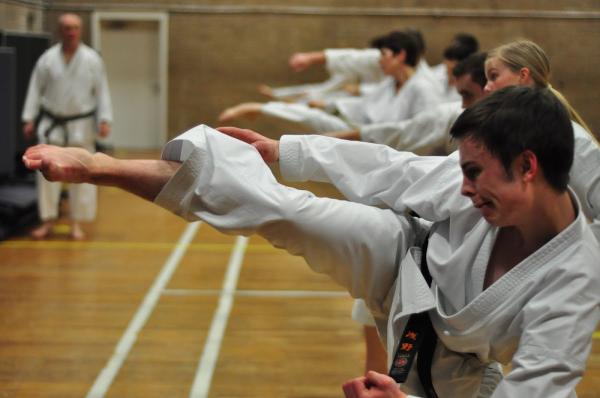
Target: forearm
pixel 142 177
pixel 353 135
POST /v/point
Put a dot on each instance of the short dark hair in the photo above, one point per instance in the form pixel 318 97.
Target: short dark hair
pixel 397 41
pixel 463 45
pixel 473 65
pixel 419 40
pixel 515 119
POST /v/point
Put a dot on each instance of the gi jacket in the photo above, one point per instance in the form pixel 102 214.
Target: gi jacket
pixel 539 317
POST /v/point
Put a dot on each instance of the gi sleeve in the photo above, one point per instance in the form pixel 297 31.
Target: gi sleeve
pixel 225 182
pixel 364 172
pixel 311 91
pixel 361 65
pixel 316 119
pixel 426 132
pixel 585 176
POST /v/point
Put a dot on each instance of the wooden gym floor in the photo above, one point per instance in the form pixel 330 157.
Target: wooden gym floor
pixel 150 306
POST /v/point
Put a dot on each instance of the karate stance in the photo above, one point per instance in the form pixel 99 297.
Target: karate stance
pixel 68 93
pixel 402 94
pixel 512 259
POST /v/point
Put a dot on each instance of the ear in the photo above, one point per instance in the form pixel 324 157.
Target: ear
pixel 525 76
pixel 401 56
pixel 528 166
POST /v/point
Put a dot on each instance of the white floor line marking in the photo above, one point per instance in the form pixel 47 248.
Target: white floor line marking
pixel 259 293
pixel 212 346
pixel 106 376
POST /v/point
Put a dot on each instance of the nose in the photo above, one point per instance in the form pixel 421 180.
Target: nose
pixel 488 87
pixel 467 188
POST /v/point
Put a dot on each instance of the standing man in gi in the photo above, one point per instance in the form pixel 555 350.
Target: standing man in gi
pixel 68 95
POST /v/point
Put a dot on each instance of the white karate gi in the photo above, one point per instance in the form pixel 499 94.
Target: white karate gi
pixel 424 134
pixel 440 74
pixel 383 104
pixel 345 66
pixel 363 65
pixel 540 315
pixel 66 90
pixel 366 173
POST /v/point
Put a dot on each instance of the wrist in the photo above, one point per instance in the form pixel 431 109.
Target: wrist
pixel 101 168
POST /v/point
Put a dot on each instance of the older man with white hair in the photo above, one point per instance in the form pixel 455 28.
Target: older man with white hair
pixel 68 95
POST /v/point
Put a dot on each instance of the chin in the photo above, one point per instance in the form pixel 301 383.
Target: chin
pixel 491 216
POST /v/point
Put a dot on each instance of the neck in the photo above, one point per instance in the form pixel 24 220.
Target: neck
pixel 403 74
pixel 69 48
pixel 545 220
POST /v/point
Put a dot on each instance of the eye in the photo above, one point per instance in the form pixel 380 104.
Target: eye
pixel 471 172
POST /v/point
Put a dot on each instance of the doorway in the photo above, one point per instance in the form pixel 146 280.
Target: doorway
pixel 134 50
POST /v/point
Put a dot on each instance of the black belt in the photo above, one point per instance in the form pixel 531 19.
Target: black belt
pixel 61 121
pixel 418 337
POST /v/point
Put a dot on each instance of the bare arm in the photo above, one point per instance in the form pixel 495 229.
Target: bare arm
pixel 142 177
pixel 345 135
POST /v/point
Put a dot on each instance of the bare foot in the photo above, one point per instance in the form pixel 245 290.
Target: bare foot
pixel 248 110
pixel 76 232
pixel 42 231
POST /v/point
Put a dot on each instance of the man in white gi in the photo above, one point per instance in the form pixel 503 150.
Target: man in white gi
pixel 512 259
pixel 461 46
pixel 352 72
pixel 401 95
pixel 68 94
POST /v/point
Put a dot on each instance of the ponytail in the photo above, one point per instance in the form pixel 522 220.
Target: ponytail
pixel 572 112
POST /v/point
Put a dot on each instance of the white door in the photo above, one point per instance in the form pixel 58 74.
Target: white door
pixel 130 50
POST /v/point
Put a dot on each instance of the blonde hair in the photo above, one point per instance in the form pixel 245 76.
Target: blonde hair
pixel 526 54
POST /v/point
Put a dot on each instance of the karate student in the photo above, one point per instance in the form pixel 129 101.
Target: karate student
pixel 401 95
pixel 427 132
pixel 462 45
pixel 353 72
pixel 512 259
pixel 69 94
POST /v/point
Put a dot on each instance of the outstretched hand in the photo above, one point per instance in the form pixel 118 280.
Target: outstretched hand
pixel 267 147
pixel 60 164
pixel 373 385
pixel 299 62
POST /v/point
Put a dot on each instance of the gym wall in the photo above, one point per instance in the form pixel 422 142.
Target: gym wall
pixel 219 53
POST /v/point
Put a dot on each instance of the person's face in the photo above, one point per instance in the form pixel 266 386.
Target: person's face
pixel 390 62
pixel 70 30
pixel 485 181
pixel 499 75
pixel 470 91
